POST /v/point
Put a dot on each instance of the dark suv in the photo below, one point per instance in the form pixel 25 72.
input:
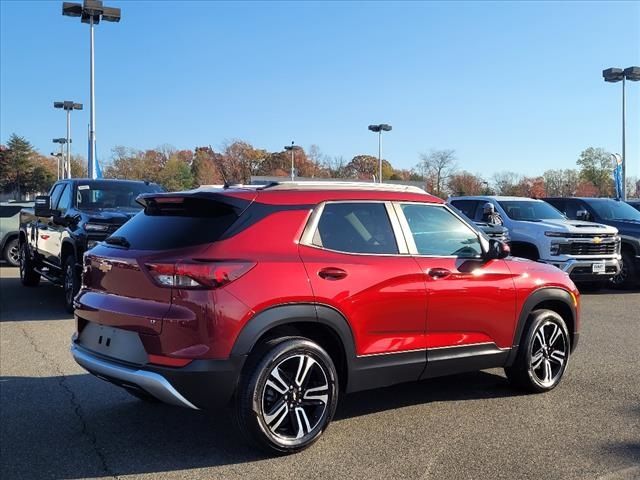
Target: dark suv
pixel 280 298
pixel 617 214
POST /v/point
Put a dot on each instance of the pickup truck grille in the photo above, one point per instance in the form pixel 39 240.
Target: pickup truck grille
pixel 580 248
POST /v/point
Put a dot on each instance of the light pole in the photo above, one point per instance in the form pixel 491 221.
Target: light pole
pixel 292 148
pixel 68 107
pixel 91 12
pixel 614 75
pixel 57 156
pixel 383 127
pixel 65 171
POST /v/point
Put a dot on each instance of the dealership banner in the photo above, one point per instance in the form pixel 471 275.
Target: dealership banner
pixel 617 174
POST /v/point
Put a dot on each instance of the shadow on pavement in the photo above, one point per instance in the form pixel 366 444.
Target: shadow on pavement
pixel 82 427
pixel 19 303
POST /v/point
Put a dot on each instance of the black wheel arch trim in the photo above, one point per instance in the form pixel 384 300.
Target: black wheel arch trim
pixel 534 299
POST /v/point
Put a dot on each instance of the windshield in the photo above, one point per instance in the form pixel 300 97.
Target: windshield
pixel 608 209
pixel 530 211
pixel 112 195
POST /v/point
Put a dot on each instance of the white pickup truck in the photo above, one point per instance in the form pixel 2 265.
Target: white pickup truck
pixel 588 252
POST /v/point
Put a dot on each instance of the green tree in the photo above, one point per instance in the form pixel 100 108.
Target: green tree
pixel 176 175
pixel 596 168
pixel 16 165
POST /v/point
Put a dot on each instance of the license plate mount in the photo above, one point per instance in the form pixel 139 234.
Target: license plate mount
pixel 599 268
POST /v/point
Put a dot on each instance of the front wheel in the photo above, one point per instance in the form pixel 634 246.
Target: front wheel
pixel 28 276
pixel 288 395
pixel 71 281
pixel 12 252
pixel 543 353
pixel 627 275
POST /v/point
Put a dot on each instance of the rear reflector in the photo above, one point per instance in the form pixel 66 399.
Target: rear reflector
pixel 197 274
pixel 168 361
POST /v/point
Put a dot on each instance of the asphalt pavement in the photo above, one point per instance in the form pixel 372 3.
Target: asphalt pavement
pixel 58 422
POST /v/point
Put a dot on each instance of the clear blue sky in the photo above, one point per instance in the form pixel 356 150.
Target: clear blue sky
pixel 510 86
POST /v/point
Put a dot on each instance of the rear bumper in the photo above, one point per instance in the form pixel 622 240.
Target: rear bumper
pixel 202 384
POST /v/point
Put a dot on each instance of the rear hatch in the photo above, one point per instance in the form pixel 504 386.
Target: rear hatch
pixel 128 280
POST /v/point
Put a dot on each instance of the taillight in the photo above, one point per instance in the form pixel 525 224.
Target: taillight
pixel 197 275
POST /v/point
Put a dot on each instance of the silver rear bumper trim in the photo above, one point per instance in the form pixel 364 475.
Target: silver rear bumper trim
pixel 150 382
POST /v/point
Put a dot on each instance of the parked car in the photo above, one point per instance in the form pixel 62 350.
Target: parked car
pixel 279 299
pixel 617 214
pixel 492 231
pixel 9 231
pixel 588 252
pixel 635 203
pixel 73 218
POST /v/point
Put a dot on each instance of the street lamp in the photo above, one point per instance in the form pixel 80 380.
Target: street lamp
pixel 292 148
pixel 91 12
pixel 383 127
pixel 68 106
pixel 65 171
pixel 614 75
pixel 58 156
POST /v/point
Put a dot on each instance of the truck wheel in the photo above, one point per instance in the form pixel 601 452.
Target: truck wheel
pixel 28 276
pixel 543 354
pixel 12 252
pixel 287 395
pixel 628 274
pixel 71 281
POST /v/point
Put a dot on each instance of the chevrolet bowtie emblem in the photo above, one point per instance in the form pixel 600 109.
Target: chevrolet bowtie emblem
pixel 597 240
pixel 104 267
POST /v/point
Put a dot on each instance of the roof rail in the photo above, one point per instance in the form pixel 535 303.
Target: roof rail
pixel 333 185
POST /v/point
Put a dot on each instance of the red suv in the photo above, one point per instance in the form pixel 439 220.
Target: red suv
pixel 280 298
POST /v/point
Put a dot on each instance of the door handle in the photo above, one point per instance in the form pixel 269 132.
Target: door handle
pixel 438 272
pixel 332 273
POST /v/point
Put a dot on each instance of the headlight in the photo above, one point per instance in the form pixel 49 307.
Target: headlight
pixel 96 227
pixel 557 234
pixel 555 249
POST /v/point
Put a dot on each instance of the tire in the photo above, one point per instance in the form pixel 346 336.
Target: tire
pixel 28 276
pixel 70 281
pixel 12 252
pixel 628 275
pixel 287 395
pixel 543 354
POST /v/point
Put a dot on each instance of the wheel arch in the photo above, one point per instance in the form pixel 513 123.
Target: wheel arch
pixel 7 238
pixel 551 298
pixel 320 323
pixel 517 247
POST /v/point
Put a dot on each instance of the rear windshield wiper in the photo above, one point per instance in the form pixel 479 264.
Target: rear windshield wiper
pixel 118 240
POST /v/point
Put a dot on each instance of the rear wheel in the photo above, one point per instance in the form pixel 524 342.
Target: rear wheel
pixel 288 395
pixel 12 252
pixel 28 276
pixel 71 281
pixel 543 353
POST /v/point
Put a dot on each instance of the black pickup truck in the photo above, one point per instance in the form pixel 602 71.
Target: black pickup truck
pixel 63 225
pixel 616 214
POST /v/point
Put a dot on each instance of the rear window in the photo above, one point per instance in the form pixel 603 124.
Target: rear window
pixel 192 222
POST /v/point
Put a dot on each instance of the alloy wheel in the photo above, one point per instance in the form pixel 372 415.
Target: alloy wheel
pixel 295 397
pixel 14 253
pixel 549 354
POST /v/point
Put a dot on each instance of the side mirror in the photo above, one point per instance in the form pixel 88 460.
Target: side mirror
pixel 42 206
pixel 583 215
pixel 498 249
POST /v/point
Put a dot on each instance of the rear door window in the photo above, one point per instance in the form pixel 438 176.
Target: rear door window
pixel 356 228
pixel 184 224
pixel 468 207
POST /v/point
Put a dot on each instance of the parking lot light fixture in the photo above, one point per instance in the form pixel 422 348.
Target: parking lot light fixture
pixel 614 75
pixel 91 12
pixel 292 148
pixel 68 106
pixel 382 127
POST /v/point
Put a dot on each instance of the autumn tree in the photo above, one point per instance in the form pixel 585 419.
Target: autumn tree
pixel 531 187
pixel 596 168
pixel 561 182
pixel 437 167
pixel 203 167
pixel 239 161
pixel 366 167
pixel 465 183
pixel 506 183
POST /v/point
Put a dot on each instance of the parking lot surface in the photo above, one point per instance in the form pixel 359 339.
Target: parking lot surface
pixel 56 421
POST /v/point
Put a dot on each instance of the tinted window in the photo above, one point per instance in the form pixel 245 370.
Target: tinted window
pixel 356 228
pixel 7 211
pixel 468 207
pixel 193 223
pixel 55 194
pixel 614 210
pixel 530 210
pixel 572 207
pixel 105 195
pixel 64 203
pixel 436 231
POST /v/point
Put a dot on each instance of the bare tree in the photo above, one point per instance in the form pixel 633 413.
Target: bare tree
pixel 436 168
pixel 506 183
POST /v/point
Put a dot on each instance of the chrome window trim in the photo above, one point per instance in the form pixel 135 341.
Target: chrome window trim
pixel 312 226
